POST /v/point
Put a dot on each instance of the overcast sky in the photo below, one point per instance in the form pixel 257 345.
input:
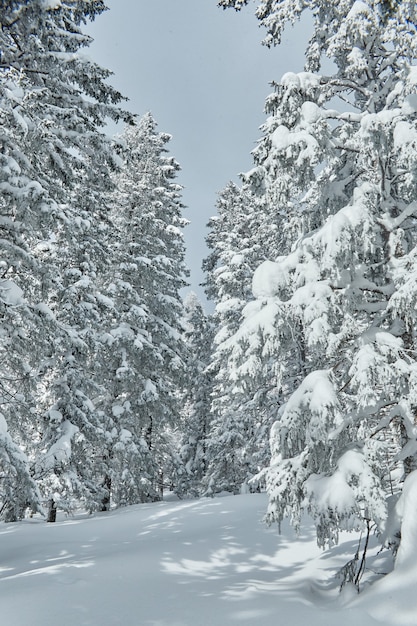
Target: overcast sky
pixel 204 75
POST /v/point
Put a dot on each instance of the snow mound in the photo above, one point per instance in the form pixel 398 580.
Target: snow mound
pixel 267 280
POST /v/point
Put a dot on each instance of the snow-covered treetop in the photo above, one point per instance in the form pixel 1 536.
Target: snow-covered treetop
pixel 339 24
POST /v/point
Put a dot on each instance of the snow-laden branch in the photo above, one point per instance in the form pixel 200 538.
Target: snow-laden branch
pixel 391 223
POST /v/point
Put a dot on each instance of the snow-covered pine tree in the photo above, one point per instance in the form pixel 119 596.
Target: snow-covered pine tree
pixel 53 102
pixel 145 344
pixel 344 285
pixel 239 239
pixel 252 375
pixel 194 432
pixel 70 462
pixel 19 327
pixel 18 490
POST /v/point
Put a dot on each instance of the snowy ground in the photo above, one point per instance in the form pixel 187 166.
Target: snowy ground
pixel 189 563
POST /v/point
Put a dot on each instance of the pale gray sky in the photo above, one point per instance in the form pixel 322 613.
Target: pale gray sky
pixel 204 75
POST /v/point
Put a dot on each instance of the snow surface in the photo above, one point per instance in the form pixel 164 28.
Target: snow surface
pixel 186 563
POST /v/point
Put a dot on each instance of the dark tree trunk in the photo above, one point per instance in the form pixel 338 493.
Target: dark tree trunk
pixel 51 511
pixel 105 503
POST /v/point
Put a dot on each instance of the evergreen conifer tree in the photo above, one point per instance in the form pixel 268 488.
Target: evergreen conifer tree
pixel 239 239
pixel 338 305
pixel 196 419
pixel 53 102
pixel 145 344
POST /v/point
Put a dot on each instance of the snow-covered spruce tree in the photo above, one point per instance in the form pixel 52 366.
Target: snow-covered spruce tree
pixel 19 327
pixel 239 239
pixel 145 347
pixel 52 103
pixel 70 462
pixel 344 288
pixel 252 227
pixel 194 432
pixel 18 490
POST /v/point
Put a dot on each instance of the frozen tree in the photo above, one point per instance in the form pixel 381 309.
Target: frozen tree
pixel 337 307
pixel 70 458
pixel 239 238
pixel 18 490
pixel 145 344
pixel 53 101
pixel 194 432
